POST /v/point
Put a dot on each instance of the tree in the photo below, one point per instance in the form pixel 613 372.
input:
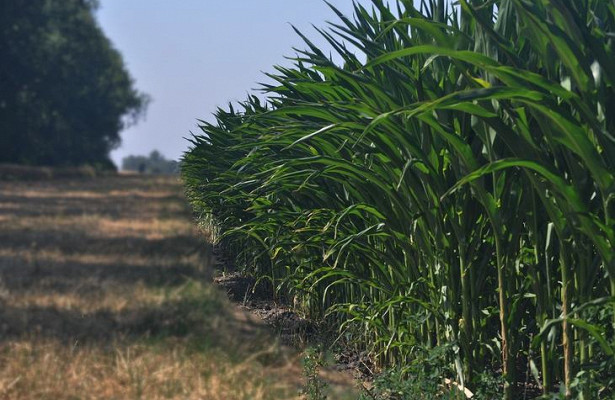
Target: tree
pixel 154 164
pixel 65 93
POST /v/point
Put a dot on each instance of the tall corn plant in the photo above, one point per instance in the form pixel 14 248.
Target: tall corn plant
pixel 450 182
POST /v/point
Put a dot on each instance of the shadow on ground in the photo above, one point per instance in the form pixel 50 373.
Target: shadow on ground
pixel 105 292
pixel 94 261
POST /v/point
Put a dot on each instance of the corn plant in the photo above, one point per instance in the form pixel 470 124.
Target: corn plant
pixel 449 182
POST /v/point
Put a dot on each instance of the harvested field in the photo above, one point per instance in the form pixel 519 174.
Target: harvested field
pixel 105 294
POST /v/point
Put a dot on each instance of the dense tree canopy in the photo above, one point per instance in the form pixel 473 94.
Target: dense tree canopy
pixel 65 93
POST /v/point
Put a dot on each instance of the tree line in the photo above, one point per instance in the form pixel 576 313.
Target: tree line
pixel 65 93
pixel 155 163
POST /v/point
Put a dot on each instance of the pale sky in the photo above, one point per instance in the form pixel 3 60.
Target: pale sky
pixel 192 56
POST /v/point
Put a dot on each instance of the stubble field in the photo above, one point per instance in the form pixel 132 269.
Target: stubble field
pixel 105 294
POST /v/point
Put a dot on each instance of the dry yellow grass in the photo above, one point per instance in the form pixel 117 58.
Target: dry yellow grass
pixel 104 294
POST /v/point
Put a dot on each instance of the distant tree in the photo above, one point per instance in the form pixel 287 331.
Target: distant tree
pixel 154 164
pixel 65 93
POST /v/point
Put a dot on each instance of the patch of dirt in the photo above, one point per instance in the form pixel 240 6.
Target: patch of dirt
pixel 258 298
pixel 293 329
pixel 244 289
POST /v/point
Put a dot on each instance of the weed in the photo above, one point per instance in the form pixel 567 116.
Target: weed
pixel 314 388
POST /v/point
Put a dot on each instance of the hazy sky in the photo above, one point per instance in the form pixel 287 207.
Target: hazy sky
pixel 191 56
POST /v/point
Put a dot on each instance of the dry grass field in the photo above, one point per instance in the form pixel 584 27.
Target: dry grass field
pixel 105 294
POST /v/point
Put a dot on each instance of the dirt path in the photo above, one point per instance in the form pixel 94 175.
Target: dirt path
pixel 105 294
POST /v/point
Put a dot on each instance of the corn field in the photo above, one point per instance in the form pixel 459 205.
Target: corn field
pixel 445 179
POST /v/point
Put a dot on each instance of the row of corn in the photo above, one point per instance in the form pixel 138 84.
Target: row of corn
pixel 443 177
